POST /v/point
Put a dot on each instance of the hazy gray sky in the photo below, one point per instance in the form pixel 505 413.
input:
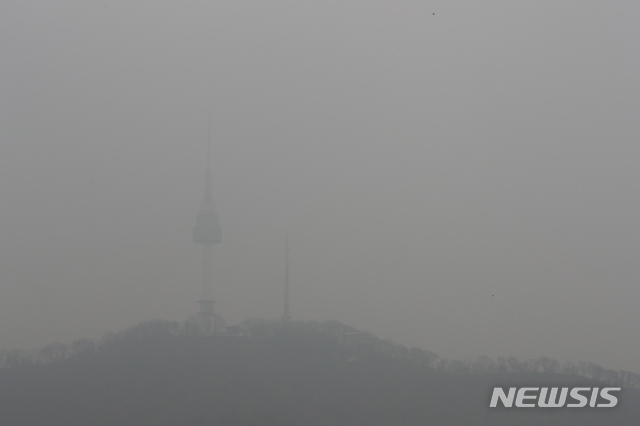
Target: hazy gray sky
pixel 466 182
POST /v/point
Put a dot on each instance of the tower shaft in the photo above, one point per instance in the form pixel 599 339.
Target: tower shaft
pixel 206 295
pixel 207 272
pixel 207 232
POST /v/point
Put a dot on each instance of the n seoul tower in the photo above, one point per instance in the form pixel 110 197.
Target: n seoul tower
pixel 207 232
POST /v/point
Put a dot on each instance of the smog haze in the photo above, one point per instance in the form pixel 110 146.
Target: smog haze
pixel 458 176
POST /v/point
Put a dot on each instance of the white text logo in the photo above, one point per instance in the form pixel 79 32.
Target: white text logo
pixel 554 397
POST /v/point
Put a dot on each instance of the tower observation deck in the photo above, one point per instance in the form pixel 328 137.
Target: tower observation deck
pixel 207 232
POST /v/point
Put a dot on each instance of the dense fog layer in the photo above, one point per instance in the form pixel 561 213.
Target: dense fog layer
pixel 458 176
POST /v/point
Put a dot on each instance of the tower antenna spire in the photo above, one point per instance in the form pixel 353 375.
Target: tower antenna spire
pixel 286 315
pixel 209 146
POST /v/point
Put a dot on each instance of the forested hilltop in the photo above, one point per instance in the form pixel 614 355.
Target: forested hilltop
pixel 272 373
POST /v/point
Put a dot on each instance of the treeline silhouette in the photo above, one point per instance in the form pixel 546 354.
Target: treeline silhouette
pixel 343 343
pixel 270 373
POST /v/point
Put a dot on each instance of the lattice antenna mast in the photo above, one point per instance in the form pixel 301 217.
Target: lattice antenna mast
pixel 207 232
pixel 287 315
